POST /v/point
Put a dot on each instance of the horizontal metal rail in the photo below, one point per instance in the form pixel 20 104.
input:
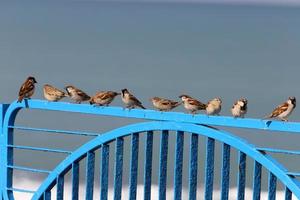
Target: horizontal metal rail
pixel 55 131
pixel 293 174
pixel 28 169
pixel 283 151
pixel 39 149
pixel 20 190
pixel 224 121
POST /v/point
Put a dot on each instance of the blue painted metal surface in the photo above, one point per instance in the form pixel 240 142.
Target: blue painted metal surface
pixel 160 123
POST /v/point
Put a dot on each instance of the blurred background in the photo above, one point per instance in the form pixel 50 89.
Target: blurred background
pixel 227 49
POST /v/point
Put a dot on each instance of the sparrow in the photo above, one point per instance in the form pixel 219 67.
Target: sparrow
pixel 53 94
pixel 164 104
pixel 284 110
pixel 191 104
pixel 129 100
pixel 103 98
pixel 239 108
pixel 27 89
pixel 214 106
pixel 76 94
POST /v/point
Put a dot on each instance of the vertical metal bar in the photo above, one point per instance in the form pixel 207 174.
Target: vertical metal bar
pixel 47 195
pixel 193 168
pixel 257 181
pixel 104 172
pixel 60 187
pixel 209 168
pixel 3 164
pixel 148 166
pixel 178 165
pixel 242 176
pixel 163 164
pixel 118 169
pixel 75 180
pixel 134 165
pixel 272 186
pixel 225 172
pixel 90 172
pixel 288 194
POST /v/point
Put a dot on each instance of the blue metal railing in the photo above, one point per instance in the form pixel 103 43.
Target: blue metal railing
pixel 164 125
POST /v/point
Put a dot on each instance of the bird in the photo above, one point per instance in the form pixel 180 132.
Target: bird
pixel 164 104
pixel 239 108
pixel 191 104
pixel 27 89
pixel 53 94
pixel 284 110
pixel 129 100
pixel 214 106
pixel 103 98
pixel 76 94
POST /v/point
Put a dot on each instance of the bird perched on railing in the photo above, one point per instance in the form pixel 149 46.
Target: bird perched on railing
pixel 76 94
pixel 130 101
pixel 284 110
pixel 27 89
pixel 103 98
pixel 214 106
pixel 53 94
pixel 191 104
pixel 164 104
pixel 239 108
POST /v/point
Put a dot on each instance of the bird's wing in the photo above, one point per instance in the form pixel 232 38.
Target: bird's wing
pixel 25 88
pixel 196 103
pixel 134 99
pixel 280 109
pixel 104 95
pixel 82 94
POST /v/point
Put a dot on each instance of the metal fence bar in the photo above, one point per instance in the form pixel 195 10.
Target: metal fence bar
pixel 283 151
pixel 209 168
pixel 257 181
pixel 82 133
pixel 104 172
pixel 178 165
pixel 20 190
pixel 272 186
pixel 148 165
pixel 163 165
pixel 225 172
pixel 47 195
pixel 241 176
pixel 134 165
pixel 288 194
pixel 39 149
pixel 28 169
pixel 90 172
pixel 193 167
pixel 118 169
pixel 60 187
pixel 75 180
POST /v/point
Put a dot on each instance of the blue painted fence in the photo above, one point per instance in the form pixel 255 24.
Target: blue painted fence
pixel 163 125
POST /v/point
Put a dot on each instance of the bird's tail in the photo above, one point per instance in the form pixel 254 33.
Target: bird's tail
pixel 20 99
pixel 177 104
pixel 268 116
pixel 141 106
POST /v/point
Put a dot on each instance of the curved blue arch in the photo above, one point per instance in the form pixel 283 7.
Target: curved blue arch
pixel 222 136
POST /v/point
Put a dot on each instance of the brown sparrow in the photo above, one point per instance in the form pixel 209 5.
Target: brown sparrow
pixel 191 104
pixel 284 110
pixel 130 101
pixel 53 94
pixel 27 89
pixel 214 106
pixel 239 108
pixel 76 94
pixel 164 104
pixel 103 98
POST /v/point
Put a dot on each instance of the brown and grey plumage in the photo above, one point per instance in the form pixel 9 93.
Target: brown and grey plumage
pixel 76 94
pixel 284 110
pixel 214 106
pixel 27 88
pixel 191 104
pixel 103 98
pixel 164 104
pixel 53 94
pixel 130 101
pixel 239 108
